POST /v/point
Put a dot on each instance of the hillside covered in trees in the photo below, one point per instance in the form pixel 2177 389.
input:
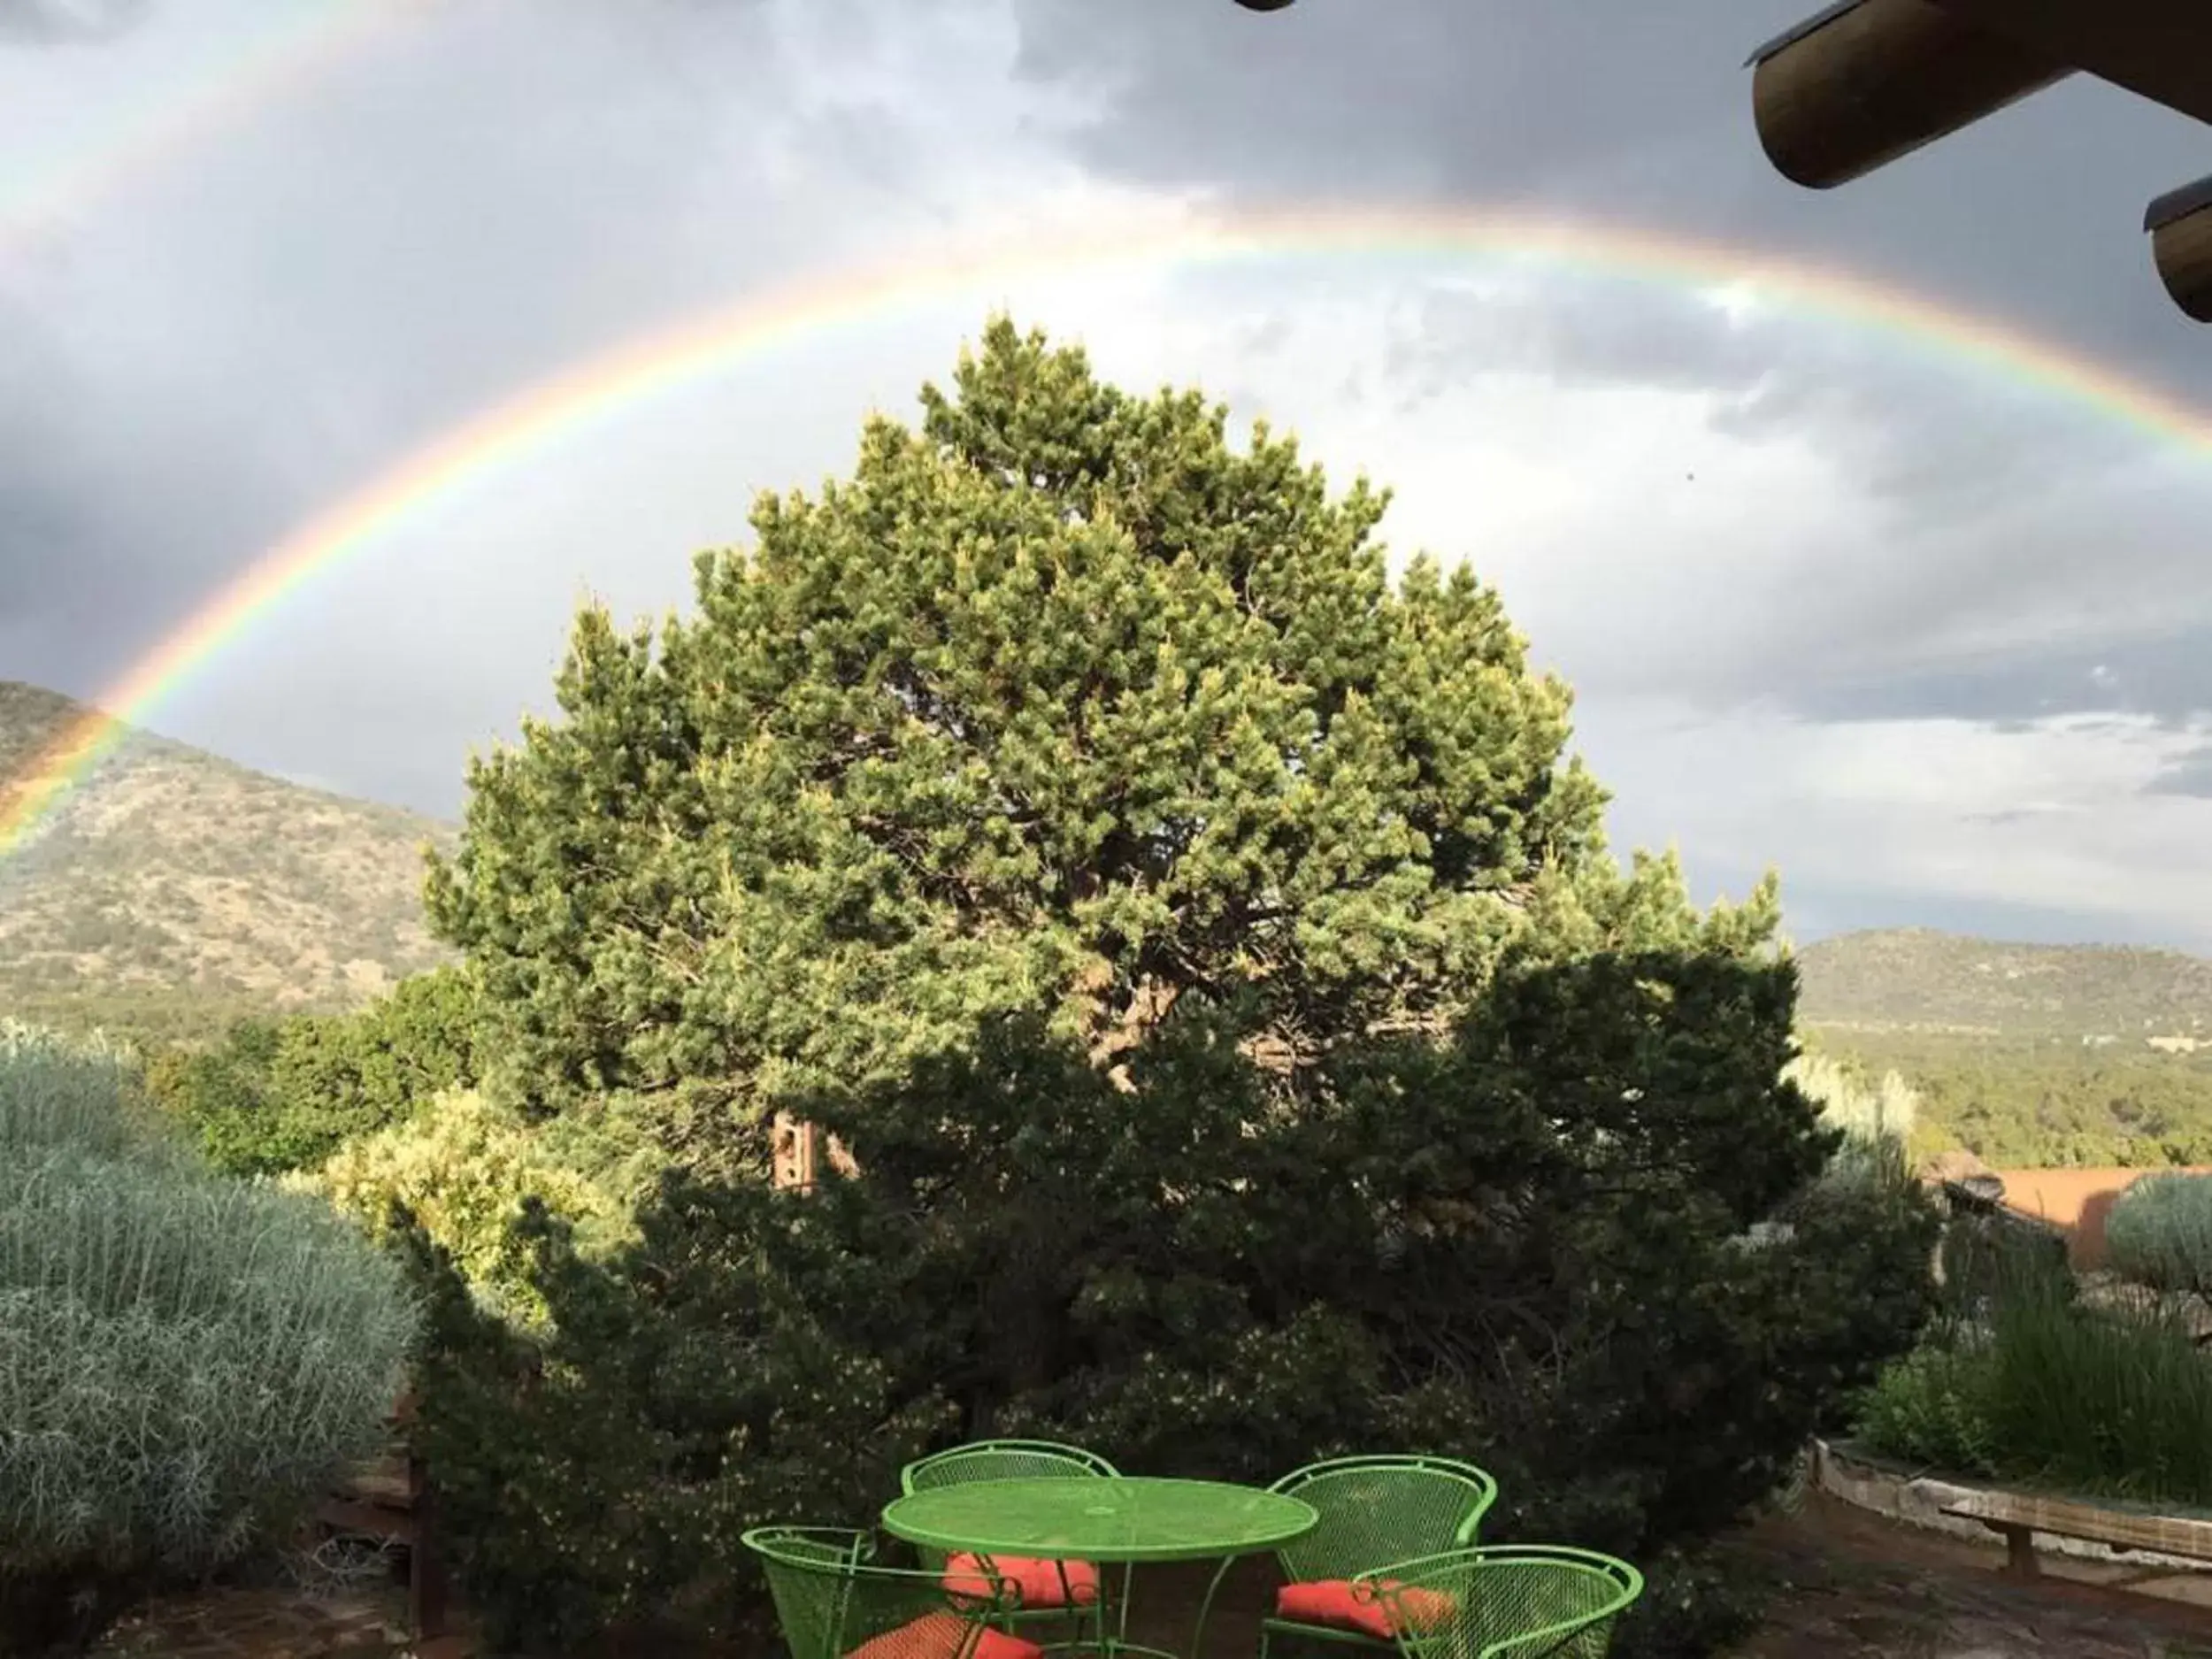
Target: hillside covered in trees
pixel 2027 1055
pixel 1917 979
pixel 174 891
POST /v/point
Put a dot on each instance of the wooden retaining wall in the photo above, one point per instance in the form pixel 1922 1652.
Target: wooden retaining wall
pixel 1914 1498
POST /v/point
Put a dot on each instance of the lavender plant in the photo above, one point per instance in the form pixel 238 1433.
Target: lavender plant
pixel 184 1357
pixel 2159 1232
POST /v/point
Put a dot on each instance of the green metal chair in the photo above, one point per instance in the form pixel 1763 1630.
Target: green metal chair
pixel 1045 1592
pixel 835 1603
pixel 1002 1460
pixel 1504 1601
pixel 1375 1510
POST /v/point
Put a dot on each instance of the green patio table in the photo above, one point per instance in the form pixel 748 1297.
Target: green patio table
pixel 1122 1520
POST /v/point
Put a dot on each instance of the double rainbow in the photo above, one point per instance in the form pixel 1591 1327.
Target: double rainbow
pixel 724 341
pixel 296 44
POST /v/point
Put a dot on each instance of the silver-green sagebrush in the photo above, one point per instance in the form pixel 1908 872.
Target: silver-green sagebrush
pixel 184 1357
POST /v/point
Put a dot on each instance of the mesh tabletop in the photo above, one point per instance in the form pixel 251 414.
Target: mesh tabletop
pixel 1125 1518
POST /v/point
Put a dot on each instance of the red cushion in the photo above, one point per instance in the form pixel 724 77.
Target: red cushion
pixel 997 1644
pixel 1343 1604
pixel 944 1636
pixel 1036 1583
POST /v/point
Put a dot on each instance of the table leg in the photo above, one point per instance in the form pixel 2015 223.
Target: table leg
pixel 1108 1615
pixel 1078 1614
pixel 1206 1607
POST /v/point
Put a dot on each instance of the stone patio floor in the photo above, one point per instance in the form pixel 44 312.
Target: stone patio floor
pixel 1849 1586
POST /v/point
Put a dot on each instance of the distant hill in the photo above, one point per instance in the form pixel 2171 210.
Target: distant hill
pixel 1921 981
pixel 175 889
pixel 2029 1055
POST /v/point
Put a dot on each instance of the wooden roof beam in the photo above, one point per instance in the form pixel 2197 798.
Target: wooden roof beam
pixel 2180 224
pixel 1865 81
pixel 2159 49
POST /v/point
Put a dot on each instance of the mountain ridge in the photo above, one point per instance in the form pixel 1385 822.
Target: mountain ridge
pixel 1921 979
pixel 170 888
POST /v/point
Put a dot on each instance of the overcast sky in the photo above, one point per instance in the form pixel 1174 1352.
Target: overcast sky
pixel 1933 640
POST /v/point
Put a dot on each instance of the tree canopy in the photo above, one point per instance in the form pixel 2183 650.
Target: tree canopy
pixel 278 1094
pixel 1592 1240
pixel 1062 705
pixel 1207 946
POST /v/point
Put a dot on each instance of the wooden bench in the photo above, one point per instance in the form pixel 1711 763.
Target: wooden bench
pixel 2019 1518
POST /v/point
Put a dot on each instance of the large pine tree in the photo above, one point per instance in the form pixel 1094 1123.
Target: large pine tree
pixel 1062 704
pixel 996 810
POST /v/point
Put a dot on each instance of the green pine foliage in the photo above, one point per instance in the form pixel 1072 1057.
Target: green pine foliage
pixel 1063 704
pixel 184 1358
pixel 1208 947
pixel 1538 1245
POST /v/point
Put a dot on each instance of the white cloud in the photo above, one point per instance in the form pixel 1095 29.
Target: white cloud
pixel 2050 815
pixel 1691 500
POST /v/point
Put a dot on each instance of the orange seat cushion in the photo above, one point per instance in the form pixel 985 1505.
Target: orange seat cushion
pixel 1036 1583
pixel 945 1636
pixel 1342 1604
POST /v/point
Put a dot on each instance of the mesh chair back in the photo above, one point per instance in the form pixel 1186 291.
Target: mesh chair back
pixel 1002 1460
pixel 1509 1601
pixel 833 1602
pixel 1377 1511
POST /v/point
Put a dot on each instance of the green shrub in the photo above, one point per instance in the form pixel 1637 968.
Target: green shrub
pixel 280 1095
pixel 464 1168
pixel 219 1097
pixel 73 1094
pixel 2053 1390
pixel 2159 1232
pixel 1695 1604
pixel 1936 1407
pixel 1526 1246
pixel 595 1475
pixel 2103 1398
pixel 183 1357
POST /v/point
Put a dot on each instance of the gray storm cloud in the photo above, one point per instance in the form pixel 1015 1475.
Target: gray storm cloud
pixel 65 23
pixel 270 320
pixel 1620 111
pixel 1625 110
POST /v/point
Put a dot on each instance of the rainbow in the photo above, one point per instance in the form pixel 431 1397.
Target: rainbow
pixel 606 386
pixel 302 43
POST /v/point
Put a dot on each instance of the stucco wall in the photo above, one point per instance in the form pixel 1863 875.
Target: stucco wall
pixel 2077 1200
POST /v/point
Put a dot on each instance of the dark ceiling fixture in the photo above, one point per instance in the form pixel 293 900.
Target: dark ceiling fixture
pixel 2180 224
pixel 1263 5
pixel 1858 85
